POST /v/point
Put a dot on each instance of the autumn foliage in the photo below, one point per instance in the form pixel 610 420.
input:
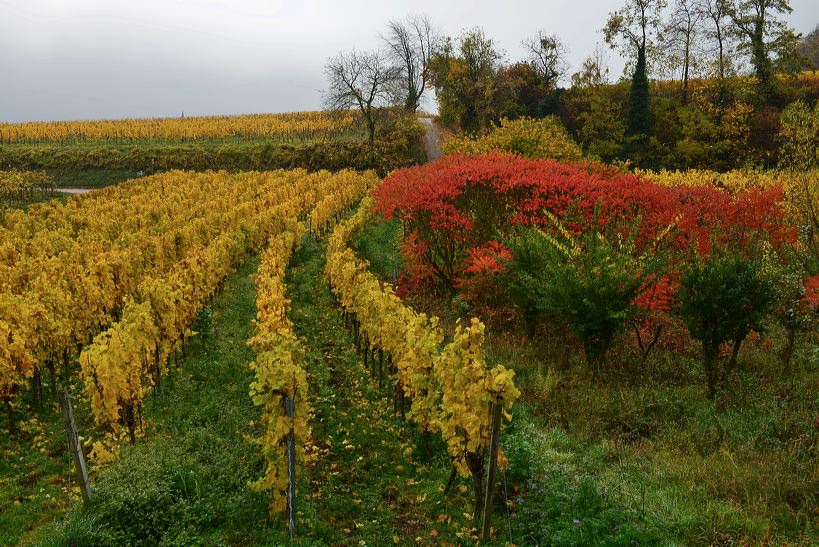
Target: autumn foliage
pixel 455 207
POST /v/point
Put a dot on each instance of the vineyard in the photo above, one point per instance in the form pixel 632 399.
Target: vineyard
pixel 293 127
pixel 485 289
pixel 514 344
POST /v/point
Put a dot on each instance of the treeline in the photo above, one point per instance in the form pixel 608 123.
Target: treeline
pixel 706 85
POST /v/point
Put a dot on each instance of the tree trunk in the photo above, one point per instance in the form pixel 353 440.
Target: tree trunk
pixel 130 421
pixel 12 418
pixel 451 482
pixel 37 388
pixel 787 352
pixel 52 372
pixel 370 129
pixel 710 353
pixel 474 461
pixel 685 69
pixel 734 352
pixel 66 368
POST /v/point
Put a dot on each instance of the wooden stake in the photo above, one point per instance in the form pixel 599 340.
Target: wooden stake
pixel 73 440
pixel 290 411
pixel 494 441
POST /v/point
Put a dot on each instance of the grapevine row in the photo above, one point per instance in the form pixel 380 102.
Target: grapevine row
pixel 451 389
pixel 293 126
pixel 21 184
pixel 278 368
pixel 69 268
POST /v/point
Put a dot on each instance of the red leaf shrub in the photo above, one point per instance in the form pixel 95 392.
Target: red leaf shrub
pixel 461 202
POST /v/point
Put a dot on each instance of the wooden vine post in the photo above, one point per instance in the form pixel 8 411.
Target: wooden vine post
pixel 289 409
pixel 494 441
pixel 75 449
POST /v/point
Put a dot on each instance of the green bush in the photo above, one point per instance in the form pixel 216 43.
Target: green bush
pixel 588 282
pixel 799 136
pixel 559 509
pixel 723 297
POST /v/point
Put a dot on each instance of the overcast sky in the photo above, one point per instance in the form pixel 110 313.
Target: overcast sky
pixel 77 59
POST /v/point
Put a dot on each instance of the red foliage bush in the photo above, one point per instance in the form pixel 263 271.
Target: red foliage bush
pixel 461 202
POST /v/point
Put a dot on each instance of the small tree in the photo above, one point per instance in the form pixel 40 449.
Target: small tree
pixel 464 74
pixel 594 72
pixel 722 298
pixel 588 282
pixel 360 80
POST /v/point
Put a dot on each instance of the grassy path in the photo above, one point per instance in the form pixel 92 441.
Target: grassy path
pixel 369 483
pixel 186 481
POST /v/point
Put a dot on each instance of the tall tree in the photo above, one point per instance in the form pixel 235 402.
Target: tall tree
pixel 632 28
pixel 718 32
pixel 410 44
pixel 547 55
pixel 809 48
pixel 360 80
pixel 762 33
pixel 679 36
pixel 464 78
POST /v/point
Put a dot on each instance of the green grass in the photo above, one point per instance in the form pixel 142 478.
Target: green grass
pixel 185 482
pixel 90 178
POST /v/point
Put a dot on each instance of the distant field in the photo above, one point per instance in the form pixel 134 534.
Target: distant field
pixel 95 153
pixel 296 127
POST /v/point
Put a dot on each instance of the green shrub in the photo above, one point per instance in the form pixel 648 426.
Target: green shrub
pixel 723 297
pixel 587 283
pixel 559 509
pixel 799 136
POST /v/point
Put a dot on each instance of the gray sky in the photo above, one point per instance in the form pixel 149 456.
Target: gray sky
pixel 77 59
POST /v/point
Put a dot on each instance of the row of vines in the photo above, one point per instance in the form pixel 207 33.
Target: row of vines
pixel 280 380
pixel 297 126
pixel 119 276
pixel 20 186
pixel 451 388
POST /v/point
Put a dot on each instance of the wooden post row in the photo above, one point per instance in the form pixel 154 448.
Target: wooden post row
pixel 290 411
pixel 74 448
pixel 494 441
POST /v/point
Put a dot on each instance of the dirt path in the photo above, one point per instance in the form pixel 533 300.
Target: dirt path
pixel 432 139
pixel 74 190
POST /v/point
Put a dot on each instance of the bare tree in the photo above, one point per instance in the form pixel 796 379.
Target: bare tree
pixel 715 12
pixel 680 33
pixel 410 45
pixel 360 80
pixel 595 70
pixel 547 55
